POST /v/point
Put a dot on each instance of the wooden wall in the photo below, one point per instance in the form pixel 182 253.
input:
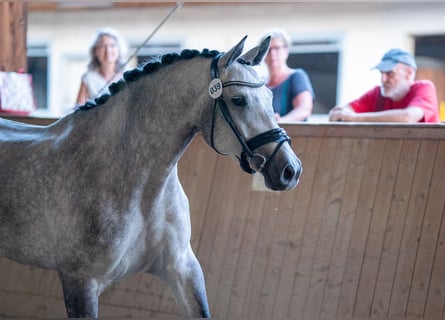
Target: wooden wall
pixel 362 235
pixel 13 24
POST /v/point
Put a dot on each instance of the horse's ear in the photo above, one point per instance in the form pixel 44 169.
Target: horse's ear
pixel 256 55
pixel 230 56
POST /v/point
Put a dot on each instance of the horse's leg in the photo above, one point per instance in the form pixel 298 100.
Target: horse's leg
pixel 186 281
pixel 81 297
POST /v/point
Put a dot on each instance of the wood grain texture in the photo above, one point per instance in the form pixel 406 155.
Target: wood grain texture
pixel 362 235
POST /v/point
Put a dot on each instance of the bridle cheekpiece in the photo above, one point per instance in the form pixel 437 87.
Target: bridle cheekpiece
pixel 277 135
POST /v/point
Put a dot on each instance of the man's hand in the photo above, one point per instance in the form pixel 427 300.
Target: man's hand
pixel 342 113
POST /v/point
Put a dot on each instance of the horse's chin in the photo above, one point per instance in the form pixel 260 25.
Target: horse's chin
pixel 283 179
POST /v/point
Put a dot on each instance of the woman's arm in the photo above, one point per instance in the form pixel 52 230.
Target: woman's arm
pixel 82 96
pixel 302 108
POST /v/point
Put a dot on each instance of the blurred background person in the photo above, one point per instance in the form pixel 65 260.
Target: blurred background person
pixel 399 98
pixel 293 95
pixel 105 66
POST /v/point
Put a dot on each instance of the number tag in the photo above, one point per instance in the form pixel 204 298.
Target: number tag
pixel 215 88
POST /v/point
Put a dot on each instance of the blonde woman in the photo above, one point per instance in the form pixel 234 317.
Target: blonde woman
pixel 106 62
pixel 293 95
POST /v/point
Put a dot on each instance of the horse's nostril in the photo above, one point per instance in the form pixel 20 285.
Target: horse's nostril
pixel 288 173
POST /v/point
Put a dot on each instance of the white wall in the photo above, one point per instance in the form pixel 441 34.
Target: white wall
pixel 366 31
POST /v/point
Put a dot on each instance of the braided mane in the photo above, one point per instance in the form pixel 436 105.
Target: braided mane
pixel 148 68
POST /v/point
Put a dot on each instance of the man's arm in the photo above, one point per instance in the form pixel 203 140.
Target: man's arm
pixel 410 114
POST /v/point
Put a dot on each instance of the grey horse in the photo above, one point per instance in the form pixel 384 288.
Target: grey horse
pixel 96 195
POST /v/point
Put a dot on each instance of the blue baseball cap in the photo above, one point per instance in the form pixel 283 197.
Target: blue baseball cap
pixel 393 57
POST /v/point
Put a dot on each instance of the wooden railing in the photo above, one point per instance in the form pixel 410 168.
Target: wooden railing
pixel 361 236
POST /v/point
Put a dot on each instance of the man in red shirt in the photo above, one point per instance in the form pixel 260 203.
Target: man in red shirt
pixel 399 98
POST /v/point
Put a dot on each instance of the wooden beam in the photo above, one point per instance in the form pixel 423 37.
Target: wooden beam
pixel 13 26
pixel 70 6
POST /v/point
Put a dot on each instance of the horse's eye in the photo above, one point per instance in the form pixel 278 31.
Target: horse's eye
pixel 239 101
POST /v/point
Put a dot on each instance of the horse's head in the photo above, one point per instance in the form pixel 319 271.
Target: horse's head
pixel 243 123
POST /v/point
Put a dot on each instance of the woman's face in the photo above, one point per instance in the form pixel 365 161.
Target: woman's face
pixel 107 50
pixel 278 53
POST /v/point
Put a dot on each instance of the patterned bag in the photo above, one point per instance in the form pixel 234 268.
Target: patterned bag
pixel 16 93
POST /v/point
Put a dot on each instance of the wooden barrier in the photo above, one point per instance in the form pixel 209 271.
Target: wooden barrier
pixel 362 235
pixel 13 28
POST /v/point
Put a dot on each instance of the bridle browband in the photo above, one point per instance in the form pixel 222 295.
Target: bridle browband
pixel 277 135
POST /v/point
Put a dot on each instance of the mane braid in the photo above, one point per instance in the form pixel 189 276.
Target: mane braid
pixel 148 68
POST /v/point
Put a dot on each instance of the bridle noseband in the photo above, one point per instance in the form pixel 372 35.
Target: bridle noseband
pixel 277 135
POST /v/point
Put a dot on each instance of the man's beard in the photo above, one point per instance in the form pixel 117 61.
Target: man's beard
pixel 396 93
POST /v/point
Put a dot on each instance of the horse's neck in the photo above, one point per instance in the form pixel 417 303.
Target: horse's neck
pixel 174 100
pixel 153 119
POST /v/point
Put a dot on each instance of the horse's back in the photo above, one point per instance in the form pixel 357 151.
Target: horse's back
pixel 18 131
pixel 18 143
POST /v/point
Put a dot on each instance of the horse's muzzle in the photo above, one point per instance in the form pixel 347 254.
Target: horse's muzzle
pixel 283 177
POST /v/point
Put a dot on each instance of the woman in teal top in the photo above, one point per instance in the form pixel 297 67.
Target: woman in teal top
pixel 293 95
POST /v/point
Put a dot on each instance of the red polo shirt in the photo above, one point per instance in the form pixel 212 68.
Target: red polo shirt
pixel 422 94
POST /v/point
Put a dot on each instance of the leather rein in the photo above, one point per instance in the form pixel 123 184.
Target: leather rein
pixel 277 135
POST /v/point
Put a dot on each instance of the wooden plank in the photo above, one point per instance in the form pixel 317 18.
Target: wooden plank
pixel 276 252
pixel 13 24
pixel 394 230
pixel 221 185
pixel 26 305
pixel 309 155
pixel 428 243
pixel 349 202
pixel 279 244
pixel 19 23
pixel 368 190
pixel 7 274
pixel 221 210
pixel 149 292
pixel 328 229
pixel 129 291
pixel 377 229
pixel 233 248
pixel 366 130
pixel 261 255
pixel 435 302
pixel 412 229
pixel 241 281
pixel 46 283
pixel 6 34
pixel 312 227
